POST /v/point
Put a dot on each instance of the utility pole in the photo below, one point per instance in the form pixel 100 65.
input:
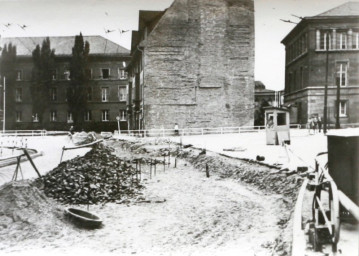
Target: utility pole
pixel 337 122
pixel 4 111
pixel 325 119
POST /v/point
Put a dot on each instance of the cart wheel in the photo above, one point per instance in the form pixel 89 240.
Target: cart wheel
pixel 334 214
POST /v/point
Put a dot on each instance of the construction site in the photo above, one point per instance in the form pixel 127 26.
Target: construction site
pixel 162 196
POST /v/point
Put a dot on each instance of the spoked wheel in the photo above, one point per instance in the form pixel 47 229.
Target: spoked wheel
pixel 325 211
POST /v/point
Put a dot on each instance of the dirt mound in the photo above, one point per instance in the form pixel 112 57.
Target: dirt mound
pixel 25 212
pixel 97 177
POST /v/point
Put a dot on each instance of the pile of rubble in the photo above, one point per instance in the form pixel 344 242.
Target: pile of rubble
pixel 97 177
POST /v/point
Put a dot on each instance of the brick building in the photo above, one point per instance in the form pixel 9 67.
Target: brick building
pixel 193 64
pixel 107 92
pixel 333 34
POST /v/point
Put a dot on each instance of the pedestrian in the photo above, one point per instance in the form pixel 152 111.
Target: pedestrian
pixel 176 129
pixel 270 123
pixel 315 123
pixel 319 123
pixel 309 124
pixel 71 132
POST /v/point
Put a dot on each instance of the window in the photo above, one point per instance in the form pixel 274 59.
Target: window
pixel 342 40
pixel 69 93
pixel 67 74
pixel 122 74
pixel 18 94
pixel 18 75
pixel 281 119
pixel 122 94
pixel 104 94
pixel 69 117
pixel 341 74
pixel 18 116
pixel 53 116
pixel 325 40
pixel 123 115
pixel 53 74
pixel 105 115
pixel 343 108
pixel 301 77
pixel 355 40
pixel 88 73
pixel 88 115
pixel 105 73
pixel 89 93
pixel 53 94
pixel 35 117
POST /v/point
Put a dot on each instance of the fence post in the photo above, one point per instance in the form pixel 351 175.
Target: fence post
pixel 239 129
pixel 202 130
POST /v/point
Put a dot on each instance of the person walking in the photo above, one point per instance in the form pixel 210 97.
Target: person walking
pixel 319 124
pixel 315 124
pixel 309 124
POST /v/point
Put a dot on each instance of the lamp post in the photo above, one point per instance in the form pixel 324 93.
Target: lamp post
pixel 118 124
pixel 326 87
pixel 4 108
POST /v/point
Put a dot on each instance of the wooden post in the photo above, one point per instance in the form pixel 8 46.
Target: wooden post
pixel 207 171
pixel 31 162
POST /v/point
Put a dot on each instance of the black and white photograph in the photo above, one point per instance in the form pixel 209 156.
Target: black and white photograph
pixel 179 127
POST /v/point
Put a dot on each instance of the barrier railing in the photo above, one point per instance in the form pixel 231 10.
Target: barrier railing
pixel 196 131
pixel 24 133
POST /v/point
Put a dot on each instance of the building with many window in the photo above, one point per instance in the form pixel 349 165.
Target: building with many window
pixel 324 49
pixel 106 91
pixel 193 65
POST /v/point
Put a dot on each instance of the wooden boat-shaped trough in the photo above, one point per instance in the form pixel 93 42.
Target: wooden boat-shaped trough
pixel 83 218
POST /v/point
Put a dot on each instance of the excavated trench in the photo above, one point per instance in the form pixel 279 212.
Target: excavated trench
pixel 200 203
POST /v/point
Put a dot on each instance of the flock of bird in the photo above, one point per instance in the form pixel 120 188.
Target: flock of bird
pixel 23 27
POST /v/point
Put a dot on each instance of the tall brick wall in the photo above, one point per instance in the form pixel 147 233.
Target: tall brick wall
pixel 199 65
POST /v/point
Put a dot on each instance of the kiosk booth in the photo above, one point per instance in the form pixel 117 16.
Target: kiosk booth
pixel 277 125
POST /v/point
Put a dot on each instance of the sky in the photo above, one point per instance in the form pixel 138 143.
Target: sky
pixel 93 17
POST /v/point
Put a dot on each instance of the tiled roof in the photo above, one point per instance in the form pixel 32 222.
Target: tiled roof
pixel 347 9
pixel 63 45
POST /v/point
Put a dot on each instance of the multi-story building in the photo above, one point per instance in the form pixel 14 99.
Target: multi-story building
pixel 319 49
pixel 107 88
pixel 193 64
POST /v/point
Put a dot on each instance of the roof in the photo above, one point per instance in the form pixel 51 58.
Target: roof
pixel 349 8
pixel 349 132
pixel 146 17
pixel 63 45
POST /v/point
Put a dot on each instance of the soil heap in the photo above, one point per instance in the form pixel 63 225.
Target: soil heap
pixel 25 212
pixel 97 177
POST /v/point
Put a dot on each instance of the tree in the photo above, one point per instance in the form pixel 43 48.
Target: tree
pixel 77 95
pixel 44 64
pixel 7 70
pixel 259 112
